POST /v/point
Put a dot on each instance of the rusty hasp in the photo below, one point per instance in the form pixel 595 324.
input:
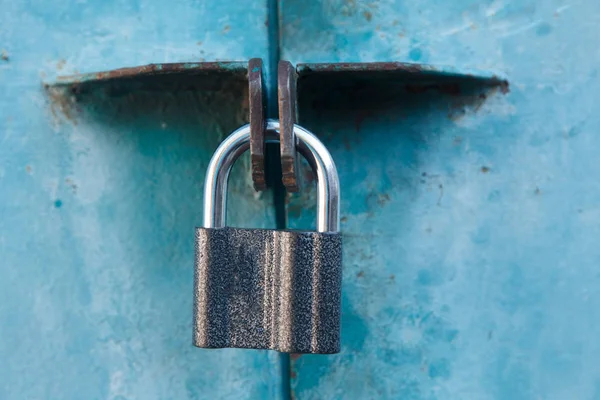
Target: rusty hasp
pixel 390 77
pixel 286 89
pixel 257 106
pixel 204 76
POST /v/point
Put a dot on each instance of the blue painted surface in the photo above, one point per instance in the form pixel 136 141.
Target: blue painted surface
pixel 471 264
pixel 98 203
pixel 470 224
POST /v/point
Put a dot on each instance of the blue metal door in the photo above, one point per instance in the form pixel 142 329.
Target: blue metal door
pixel 469 215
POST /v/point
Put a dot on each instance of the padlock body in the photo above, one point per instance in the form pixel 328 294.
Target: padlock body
pixel 268 289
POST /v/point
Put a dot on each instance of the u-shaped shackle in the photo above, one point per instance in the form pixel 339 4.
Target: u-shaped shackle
pixel 217 175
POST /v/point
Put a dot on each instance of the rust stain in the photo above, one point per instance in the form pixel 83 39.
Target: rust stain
pixel 410 68
pixel 537 191
pixel 28 169
pixel 365 67
pixel 63 102
pixel 392 277
pixel 226 29
pixel 473 102
pixel 368 15
pixel 380 198
pixel 383 198
pixel 295 356
pixel 360 274
pixel 156 69
pixel 504 85
pixel 4 55
pixel 72 184
pixel 485 169
pixel 344 219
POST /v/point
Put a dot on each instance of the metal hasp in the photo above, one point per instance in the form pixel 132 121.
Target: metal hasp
pixel 286 93
pixel 269 289
pixel 193 76
pixel 257 112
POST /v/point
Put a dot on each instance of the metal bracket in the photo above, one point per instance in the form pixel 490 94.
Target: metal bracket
pixel 286 89
pixel 321 80
pixel 257 107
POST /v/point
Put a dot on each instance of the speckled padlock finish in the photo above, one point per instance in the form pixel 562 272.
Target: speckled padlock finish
pixel 267 289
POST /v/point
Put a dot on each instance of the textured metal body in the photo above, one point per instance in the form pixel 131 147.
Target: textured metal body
pixel 268 289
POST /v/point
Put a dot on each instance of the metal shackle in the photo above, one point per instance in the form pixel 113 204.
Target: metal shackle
pixel 217 175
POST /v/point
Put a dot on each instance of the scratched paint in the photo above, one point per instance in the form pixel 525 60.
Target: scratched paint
pixel 100 196
pixel 470 263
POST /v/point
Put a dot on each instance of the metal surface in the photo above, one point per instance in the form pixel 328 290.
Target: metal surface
pixel 157 70
pixel 286 91
pixel 470 224
pixel 217 174
pixel 470 220
pixel 391 68
pixel 257 115
pixel 387 75
pixel 268 289
pixel 200 80
pixel 97 204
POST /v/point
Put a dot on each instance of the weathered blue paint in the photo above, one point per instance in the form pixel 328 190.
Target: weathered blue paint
pixel 471 269
pixel 470 221
pixel 99 201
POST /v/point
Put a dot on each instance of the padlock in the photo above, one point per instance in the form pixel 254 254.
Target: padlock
pixel 263 288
